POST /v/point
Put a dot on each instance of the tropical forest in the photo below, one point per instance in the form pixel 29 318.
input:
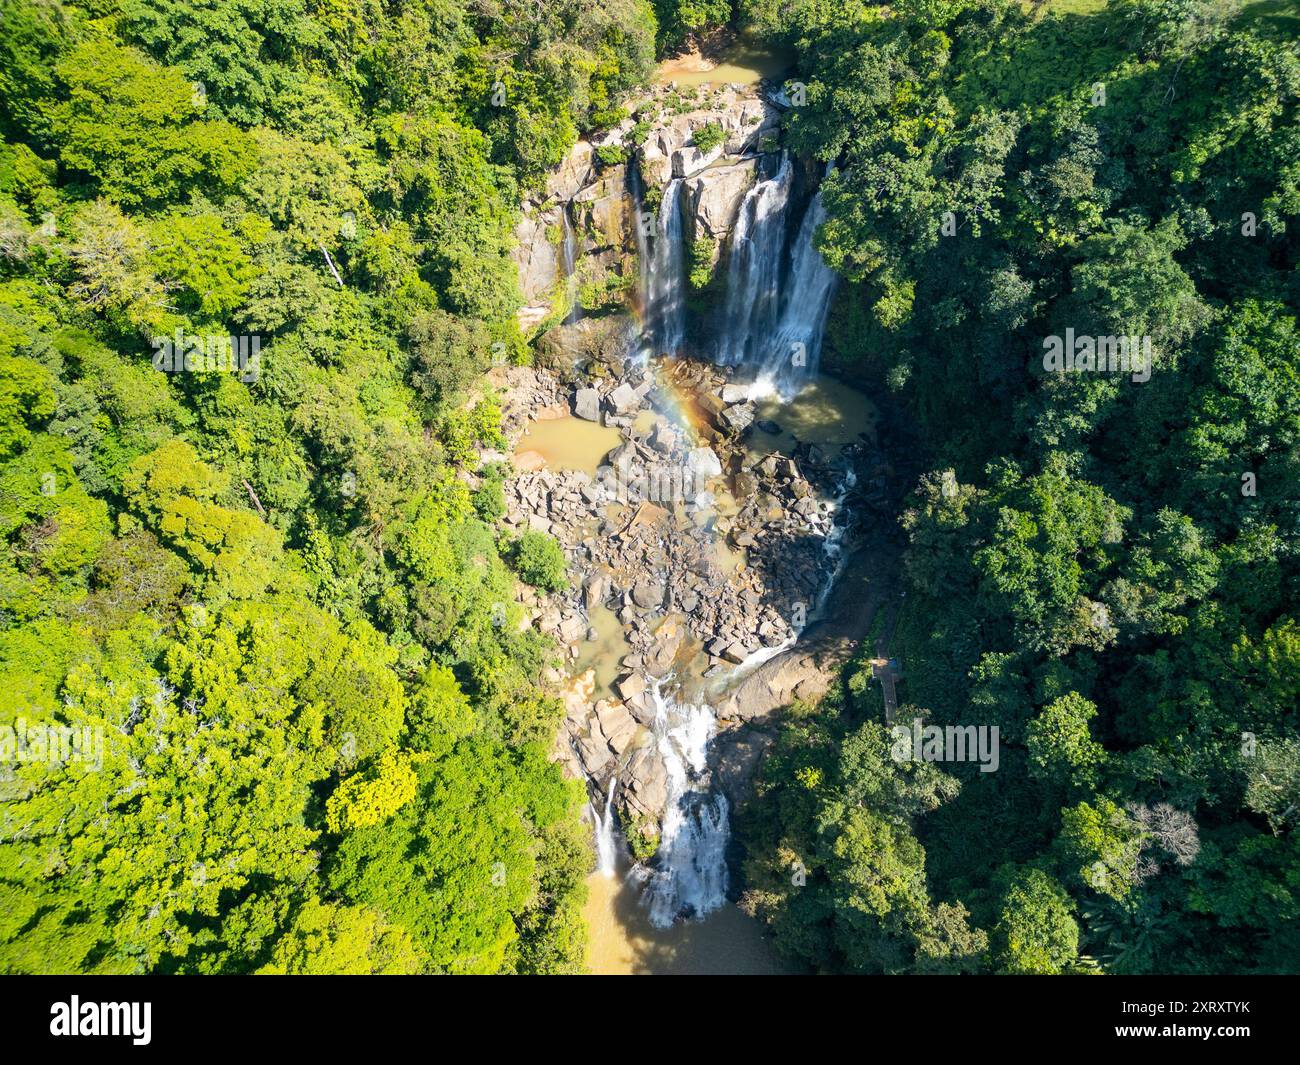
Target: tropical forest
pixel 650 486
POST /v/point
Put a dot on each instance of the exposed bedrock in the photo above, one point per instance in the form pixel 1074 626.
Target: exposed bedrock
pixel 580 229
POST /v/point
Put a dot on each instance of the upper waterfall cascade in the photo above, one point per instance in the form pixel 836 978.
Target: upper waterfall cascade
pixel 758 246
pixel 664 275
pixel 777 288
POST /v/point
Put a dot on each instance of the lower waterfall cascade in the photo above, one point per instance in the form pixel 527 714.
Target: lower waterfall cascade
pixel 606 847
pixel 689 876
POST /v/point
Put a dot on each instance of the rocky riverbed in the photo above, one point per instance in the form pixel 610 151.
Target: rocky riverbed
pixel 711 557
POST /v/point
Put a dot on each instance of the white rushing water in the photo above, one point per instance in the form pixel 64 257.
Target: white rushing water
pixel 663 277
pixel 689 877
pixel 750 312
pixel 807 302
pixel 606 848
pixel 778 292
pixel 778 289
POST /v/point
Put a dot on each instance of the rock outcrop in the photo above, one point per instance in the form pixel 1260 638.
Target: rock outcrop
pixel 713 199
pixel 536 255
pixel 708 557
pixel 748 122
pixel 596 197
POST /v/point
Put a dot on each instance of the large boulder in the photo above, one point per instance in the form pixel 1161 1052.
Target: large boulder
pixel 630 685
pixel 690 160
pixel 662 653
pixel 648 596
pixel 711 405
pixel 586 404
pixel 619 726
pixel 702 463
pixel 595 590
pixel 775 684
pixel 572 629
pixel 739 416
pixel 595 755
pixel 642 708
pixel 624 400
pixel 713 199
pixel 604 340
pixel 645 783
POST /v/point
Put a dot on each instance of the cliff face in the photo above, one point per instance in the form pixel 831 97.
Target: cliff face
pixel 577 240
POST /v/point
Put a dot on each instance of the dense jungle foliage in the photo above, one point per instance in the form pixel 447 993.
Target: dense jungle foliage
pixel 280 595
pixel 1106 569
pixel 278 592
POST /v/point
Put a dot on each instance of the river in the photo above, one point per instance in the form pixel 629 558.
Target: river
pixel 623 938
pixel 674 913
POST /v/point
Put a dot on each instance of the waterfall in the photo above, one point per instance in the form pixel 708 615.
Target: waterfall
pixel 606 851
pixel 778 293
pixel 749 315
pixel 803 316
pixel 690 873
pixel 778 290
pixel 569 257
pixel 663 277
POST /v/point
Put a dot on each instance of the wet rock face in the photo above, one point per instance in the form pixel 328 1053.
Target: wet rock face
pixel 596 198
pixel 536 256
pixel 736 756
